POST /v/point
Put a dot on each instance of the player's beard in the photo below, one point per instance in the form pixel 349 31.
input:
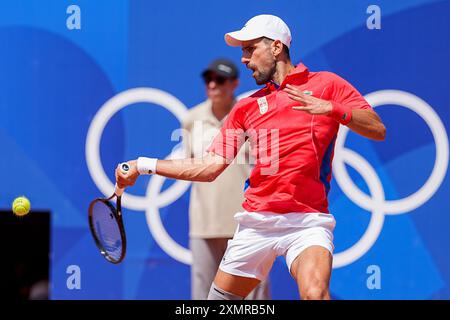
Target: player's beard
pixel 264 75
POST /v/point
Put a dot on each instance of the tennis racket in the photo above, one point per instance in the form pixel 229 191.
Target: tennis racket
pixel 106 225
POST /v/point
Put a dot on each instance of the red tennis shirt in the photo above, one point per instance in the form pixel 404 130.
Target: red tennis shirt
pixel 293 149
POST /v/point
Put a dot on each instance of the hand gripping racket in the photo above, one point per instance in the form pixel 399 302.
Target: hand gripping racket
pixel 106 225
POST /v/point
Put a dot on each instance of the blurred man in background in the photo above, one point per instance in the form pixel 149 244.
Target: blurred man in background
pixel 213 205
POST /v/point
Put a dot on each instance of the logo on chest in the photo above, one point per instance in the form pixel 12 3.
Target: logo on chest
pixel 263 105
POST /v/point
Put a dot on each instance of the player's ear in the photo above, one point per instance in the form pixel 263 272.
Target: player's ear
pixel 276 47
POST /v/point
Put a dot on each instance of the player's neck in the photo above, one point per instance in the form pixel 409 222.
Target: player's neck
pixel 283 68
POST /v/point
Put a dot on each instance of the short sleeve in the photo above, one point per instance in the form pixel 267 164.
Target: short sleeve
pixel 231 136
pixel 345 94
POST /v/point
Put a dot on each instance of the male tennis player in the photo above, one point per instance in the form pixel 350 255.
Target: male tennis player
pixel 292 125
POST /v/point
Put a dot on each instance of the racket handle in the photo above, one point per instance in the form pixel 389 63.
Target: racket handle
pixel 124 168
pixel 118 191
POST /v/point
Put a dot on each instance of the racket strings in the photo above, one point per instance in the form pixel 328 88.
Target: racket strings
pixel 107 230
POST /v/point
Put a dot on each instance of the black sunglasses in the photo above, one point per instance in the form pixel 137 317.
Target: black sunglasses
pixel 217 79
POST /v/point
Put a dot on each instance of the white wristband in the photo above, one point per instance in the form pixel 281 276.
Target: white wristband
pixel 146 165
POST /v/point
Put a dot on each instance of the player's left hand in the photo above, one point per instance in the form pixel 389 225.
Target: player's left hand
pixel 309 104
pixel 128 179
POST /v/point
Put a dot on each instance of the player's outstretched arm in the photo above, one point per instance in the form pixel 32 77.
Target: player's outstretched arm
pixel 368 124
pixel 204 169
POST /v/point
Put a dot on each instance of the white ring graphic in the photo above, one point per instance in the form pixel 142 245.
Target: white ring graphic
pixel 377 218
pixel 152 204
pixel 106 112
pixel 164 240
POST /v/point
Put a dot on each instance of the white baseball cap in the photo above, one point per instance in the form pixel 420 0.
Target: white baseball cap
pixel 264 25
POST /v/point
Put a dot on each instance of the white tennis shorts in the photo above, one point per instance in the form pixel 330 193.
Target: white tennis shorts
pixel 260 237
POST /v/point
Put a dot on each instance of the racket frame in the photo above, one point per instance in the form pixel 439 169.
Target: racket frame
pixel 117 212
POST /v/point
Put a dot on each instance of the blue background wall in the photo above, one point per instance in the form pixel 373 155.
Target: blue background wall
pixel 53 81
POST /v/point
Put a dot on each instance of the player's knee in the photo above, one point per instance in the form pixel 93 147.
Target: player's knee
pixel 315 291
pixel 216 293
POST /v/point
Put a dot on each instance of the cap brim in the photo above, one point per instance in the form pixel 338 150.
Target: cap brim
pixel 235 38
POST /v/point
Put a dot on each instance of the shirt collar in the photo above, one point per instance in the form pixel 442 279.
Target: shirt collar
pixel 299 69
pixel 297 76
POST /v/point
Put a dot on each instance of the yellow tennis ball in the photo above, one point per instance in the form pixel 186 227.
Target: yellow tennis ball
pixel 21 206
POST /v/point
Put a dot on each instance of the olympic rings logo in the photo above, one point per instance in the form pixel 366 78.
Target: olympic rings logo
pixel 375 203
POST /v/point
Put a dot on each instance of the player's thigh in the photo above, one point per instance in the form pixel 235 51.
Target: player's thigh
pixel 309 256
pixel 312 268
pixel 261 292
pixel 237 285
pixel 247 260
